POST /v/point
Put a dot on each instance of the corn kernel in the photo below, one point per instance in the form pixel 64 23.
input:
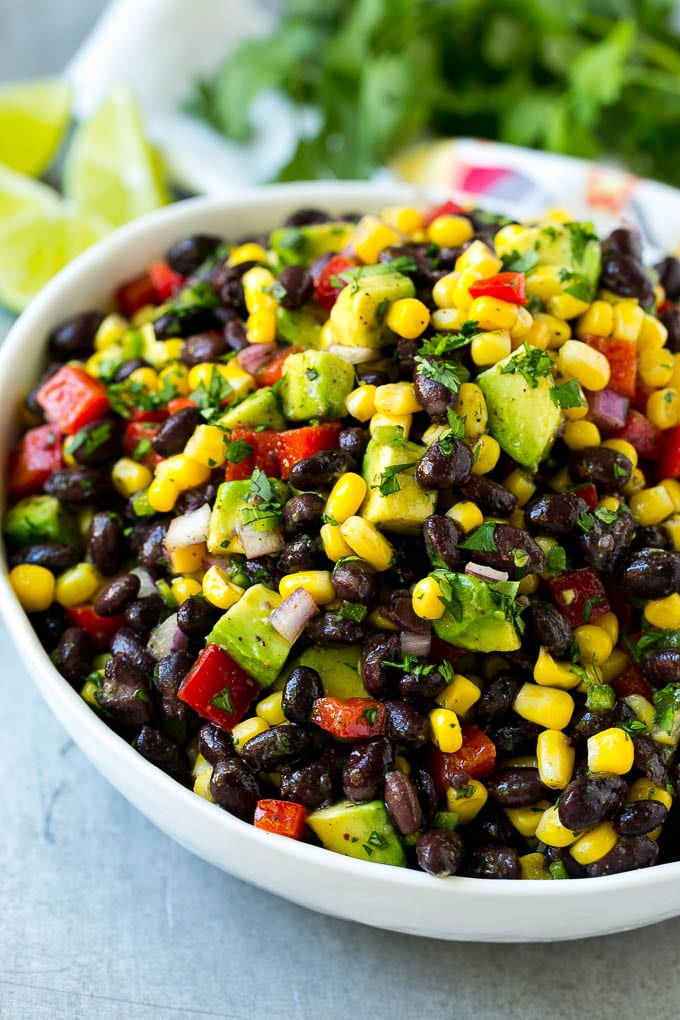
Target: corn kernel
pixel 187 560
pixel 651 506
pixel 426 599
pixel 525 819
pixel 334 545
pixel 184 588
pixel 471 407
pixel 397 421
pixel 551 831
pixel 663 408
pixel 450 231
pixel 529 583
pixel 534 868
pixel 489 348
pixel 370 237
pixel 624 447
pixel 578 412
pixel 672 487
pixel 397 399
pixel 241 382
pixel 246 730
pixel 448 320
pixel 248 252
pixel 33 586
pixel 555 757
pixel 77 585
pixel 403 218
pixel 433 433
pixel 261 326
pixel 544 706
pixel 544 282
pixel 493 313
pixel 185 472
pixel 664 613
pixel 610 750
pixel 652 335
pixel 460 695
pixel 377 619
pixel 367 542
pixel 461 290
pixel 598 320
pixel 580 434
pixel 162 495
pixel 506 238
pixel 468 801
pixel 675 381
pixel 655 367
pixel 672 529
pixel 549 673
pixel 207 446
pixel 201 374
pixel 446 732
pixel 111 330
pixel 561 481
pixel 202 785
pixel 129 477
pixel 270 709
pixel 361 402
pixel 615 665
pixel 467 514
pixel 594 643
pixel 346 497
pixel 257 284
pixel 584 363
pixel 537 336
pixel 628 319
pixel 480 257
pixel 559 329
pixel 444 290
pixel 486 453
pixel 522 325
pixel 644 789
pixel 594 844
pixel 566 306
pixel 636 483
pixel 407 317
pixel 317 583
pixel 610 623
pixel 219 589
pixel 177 375
pixel 521 484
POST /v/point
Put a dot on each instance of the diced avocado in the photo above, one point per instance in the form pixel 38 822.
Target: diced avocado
pixel 522 418
pixel 338 668
pixel 572 247
pixel 315 384
pixel 363 831
pixel 404 510
pixel 223 518
pixel 40 519
pixel 479 615
pixel 258 408
pixel 246 634
pixel 358 315
pixel 301 245
pixel 300 326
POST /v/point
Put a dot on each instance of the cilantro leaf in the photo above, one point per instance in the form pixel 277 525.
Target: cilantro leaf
pixel 237 450
pixel 568 394
pixel 532 364
pixel 667 708
pixel 443 343
pixel 389 482
pixel 450 374
pixel 513 262
pixel 481 539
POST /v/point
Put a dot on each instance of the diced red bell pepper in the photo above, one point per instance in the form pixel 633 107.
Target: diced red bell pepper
pixel 325 292
pixel 622 357
pixel 71 399
pixel 503 286
pixel 351 718
pixel 141 432
pixel 270 374
pixel 264 455
pixel 284 817
pixel 296 444
pixel 99 629
pixel 139 415
pixel 577 593
pixel 639 401
pixel 179 403
pixel 165 281
pixel 217 688
pixel 640 433
pixel 136 293
pixel 30 466
pixel 669 461
pixel 476 757
pixel 449 208
pixel 632 682
pixel 587 492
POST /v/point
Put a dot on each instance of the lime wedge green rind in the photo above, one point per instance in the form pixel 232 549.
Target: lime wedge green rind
pixel 33 118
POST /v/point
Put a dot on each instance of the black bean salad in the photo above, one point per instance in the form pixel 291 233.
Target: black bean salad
pixel 368 530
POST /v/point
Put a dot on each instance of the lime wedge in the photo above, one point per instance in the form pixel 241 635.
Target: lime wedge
pixel 33 118
pixel 39 234
pixel 111 169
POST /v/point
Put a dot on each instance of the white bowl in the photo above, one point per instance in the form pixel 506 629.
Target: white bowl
pixel 393 898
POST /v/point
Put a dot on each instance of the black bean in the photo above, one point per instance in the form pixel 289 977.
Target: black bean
pixel 647 758
pixel 192 319
pixel 128 367
pixel 234 787
pixel 301 511
pixel 400 611
pixel 433 395
pixel 662 666
pixel 306 217
pixel 548 627
pixel 441 536
pixel 144 613
pixel 651 574
pixel 105 541
pixel 312 784
pixel 491 497
pixel 114 597
pixel 516 552
pixel 442 470
pixel 669 276
pixel 169 674
pixel 49 625
pixel 373 376
pixel 74 337
pixel 304 552
pixel 401 800
pixel 196 617
pixel 494 862
pixel 407 558
pixel 72 655
pixel 589 721
pixel 492 826
pixel 126 644
pixel 497 697
pixel 561 854
pixel 279 745
pixel 98 442
pixel 174 433
pixel 591 800
pixel 623 241
pixel 162 751
pixel 407 351
pixel 516 787
pixel 406 724
pixel 192 499
pixel 640 817
pixel 605 543
pixel 514 736
pixel 421 684
pixel 186 255
pixel 214 742
pixel 364 771
pixel 300 691
pixel 353 441
pixel 439 852
pixel 427 792
pixel 355 581
pixel 202 348
pixel 263 570
pixel 624 275
pixel 124 694
pixel 235 335
pixel 671 320
pixel 555 513
pixel 653 537
pixel 629 853
pixel 152 552
pixel 298 286
pixel 333 629
pixel 376 649
pixel 608 469
pixel 78 485
pixel 320 471
pixel 52 555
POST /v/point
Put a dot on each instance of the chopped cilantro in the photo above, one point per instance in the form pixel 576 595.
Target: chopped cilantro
pixel 355 611
pixel 533 364
pixel 223 700
pixel 311 374
pixel 557 559
pixel 558 870
pixel 481 539
pixel 513 262
pixel 90 439
pixel 568 394
pixel 450 374
pixel 590 604
pixel 142 449
pixel 443 343
pixel 262 502
pixel 389 482
pixel 578 286
pixel 455 431
pixel 585 521
pixel 667 706
pixel 369 714
pixel 619 472
pixel 237 450
pixel 210 398
pixel 580 234
pixel 632 726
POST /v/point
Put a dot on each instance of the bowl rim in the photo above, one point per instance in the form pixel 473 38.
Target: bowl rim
pixel 66 702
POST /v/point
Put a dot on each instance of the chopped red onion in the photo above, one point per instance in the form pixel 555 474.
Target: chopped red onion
pixel 293 615
pixel 608 409
pixel 259 543
pixel 146 583
pixel 166 638
pixel 354 355
pixel 486 573
pixel 189 529
pixel 254 356
pixel 415 644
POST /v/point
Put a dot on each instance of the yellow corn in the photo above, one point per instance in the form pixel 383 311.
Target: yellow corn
pixel 377 619
pixel 446 732
pixel 549 673
pixel 145 377
pixel 663 408
pixel 257 285
pixel 184 471
pixel 561 481
pixel 111 330
pixel 367 542
pixel 614 666
pixel 433 433
pixel 585 364
pixel 334 545
pixel 129 477
pixel 480 257
pixel 403 218
pixel 579 434
pixel 248 252
pixel 652 334
pixel 651 506
pixel 346 497
pixel 551 831
pixel 202 785
pixel 628 319
pixel 555 757
pixel 468 801
pixel 460 695
pixel 219 589
pixel 559 329
pixel 493 313
pixel 317 583
pixel 655 366
pixel 488 348
pixel 184 588
pixel 162 495
pixel 636 483
pixel 77 585
pixel 672 528
pixel 443 291
pixel 566 306
pixel 448 231
pixel 644 789
pixel 534 867
pixel 624 447
pixel 270 709
pixel 187 560
pixel 597 320
pixel 675 381
pixel 517 518
pixel 544 282
pixel 609 623
pixel 399 421
pixel 261 326
pixel 448 319
pixel 576 413
pixel 207 446
pixel 545 706
pixel 370 237
pixel 506 238
pixel 526 819
pixel 397 399
pixel 467 514
pixel 175 374
pixel 486 452
pixel 610 750
pixel 246 730
pixel 529 583
pixel 672 487
pixel 664 613
pixel 461 290
pixel 521 484
pixel 537 336
pixel 522 326
pixel 594 643
pixel 241 382
pixel 426 599
pixel 594 844
pixel 403 764
pixel 407 317
pixel 34 586
pixel 471 407
pixel 361 402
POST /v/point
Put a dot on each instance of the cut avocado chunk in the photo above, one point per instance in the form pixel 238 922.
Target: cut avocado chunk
pixel 572 248
pixel 363 831
pixel 522 418
pixel 246 634
pixel 403 510
pixel 315 384
pixel 480 615
pixel 41 519
pixel 301 245
pixel 300 326
pixel 231 500
pixel 260 408
pixel 358 315
pixel 338 668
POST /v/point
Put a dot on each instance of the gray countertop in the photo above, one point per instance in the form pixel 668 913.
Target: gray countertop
pixel 103 917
